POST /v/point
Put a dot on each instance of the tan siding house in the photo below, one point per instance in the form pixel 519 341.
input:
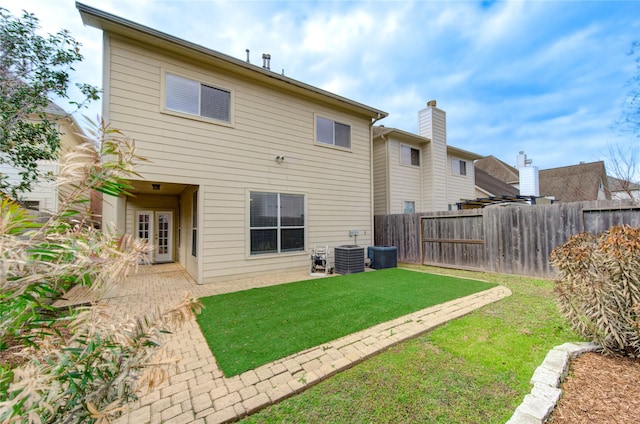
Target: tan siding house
pixel 46 196
pixel 420 173
pixel 248 170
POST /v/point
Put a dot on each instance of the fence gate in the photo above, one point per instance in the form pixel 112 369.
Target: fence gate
pixel 456 240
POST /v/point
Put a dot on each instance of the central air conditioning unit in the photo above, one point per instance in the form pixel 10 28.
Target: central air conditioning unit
pixel 349 259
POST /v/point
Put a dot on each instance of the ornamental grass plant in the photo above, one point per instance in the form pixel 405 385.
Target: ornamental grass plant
pixel 76 364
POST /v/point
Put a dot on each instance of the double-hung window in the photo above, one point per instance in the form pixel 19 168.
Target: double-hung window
pixel 459 167
pixel 277 222
pixel 333 133
pixel 409 156
pixel 194 98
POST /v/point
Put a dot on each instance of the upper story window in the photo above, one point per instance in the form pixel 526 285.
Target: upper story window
pixel 333 133
pixel 409 156
pixel 192 97
pixel 459 167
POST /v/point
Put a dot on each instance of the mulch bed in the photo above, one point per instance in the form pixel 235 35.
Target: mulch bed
pixel 600 389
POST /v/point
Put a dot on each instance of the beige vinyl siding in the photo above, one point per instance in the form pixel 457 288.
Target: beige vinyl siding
pixel 460 186
pixel 227 162
pixel 380 176
pixel 43 192
pixel 405 179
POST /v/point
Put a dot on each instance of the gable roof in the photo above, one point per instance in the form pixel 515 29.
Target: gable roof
pixel 168 43
pixel 493 185
pixel 574 183
pixel 498 169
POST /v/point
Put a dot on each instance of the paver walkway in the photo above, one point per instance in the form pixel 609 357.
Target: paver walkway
pixel 197 392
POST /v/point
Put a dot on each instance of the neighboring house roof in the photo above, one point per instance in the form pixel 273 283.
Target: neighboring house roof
pixel 617 184
pixel 464 154
pixel 585 181
pixel 497 168
pixel 492 185
pixel 170 44
pixel 54 109
pixel 381 130
pixel 574 183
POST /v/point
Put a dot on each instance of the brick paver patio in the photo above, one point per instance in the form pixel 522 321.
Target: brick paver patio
pixel 197 392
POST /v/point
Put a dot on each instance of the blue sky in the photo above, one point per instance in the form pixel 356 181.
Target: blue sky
pixel 546 77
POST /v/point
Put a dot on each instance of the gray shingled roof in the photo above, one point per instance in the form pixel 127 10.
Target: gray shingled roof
pixel 616 184
pixel 498 169
pixel 574 183
pixel 493 185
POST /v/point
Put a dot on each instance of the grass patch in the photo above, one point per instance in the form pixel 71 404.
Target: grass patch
pixel 475 369
pixel 249 328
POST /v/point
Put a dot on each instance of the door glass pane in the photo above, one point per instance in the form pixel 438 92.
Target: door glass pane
pixel 143 226
pixel 163 234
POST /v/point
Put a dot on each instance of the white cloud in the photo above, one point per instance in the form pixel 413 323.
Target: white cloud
pixel 547 77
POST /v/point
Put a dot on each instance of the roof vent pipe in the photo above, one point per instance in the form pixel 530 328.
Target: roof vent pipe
pixel 248 56
pixel 266 61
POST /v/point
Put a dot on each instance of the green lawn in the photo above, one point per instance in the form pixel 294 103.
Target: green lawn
pixel 475 369
pixel 250 328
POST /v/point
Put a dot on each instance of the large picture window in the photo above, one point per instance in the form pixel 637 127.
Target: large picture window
pixel 277 222
pixel 189 96
pixel 333 133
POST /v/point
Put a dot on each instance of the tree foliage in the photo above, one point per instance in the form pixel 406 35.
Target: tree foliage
pixel 33 68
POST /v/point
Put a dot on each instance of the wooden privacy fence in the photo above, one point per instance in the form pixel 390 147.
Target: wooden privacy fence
pixel 513 239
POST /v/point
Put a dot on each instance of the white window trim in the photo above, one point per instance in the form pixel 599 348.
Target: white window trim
pixel 163 100
pixel 335 120
pixel 413 148
pixel 258 256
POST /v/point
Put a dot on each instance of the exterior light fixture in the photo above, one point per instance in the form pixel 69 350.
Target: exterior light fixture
pixel 155 187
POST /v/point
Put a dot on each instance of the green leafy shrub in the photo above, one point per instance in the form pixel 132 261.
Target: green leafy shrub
pixel 599 287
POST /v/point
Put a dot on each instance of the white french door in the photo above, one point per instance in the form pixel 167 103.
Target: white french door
pixel 157 229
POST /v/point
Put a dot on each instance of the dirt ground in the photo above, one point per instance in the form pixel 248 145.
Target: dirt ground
pixel 600 389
